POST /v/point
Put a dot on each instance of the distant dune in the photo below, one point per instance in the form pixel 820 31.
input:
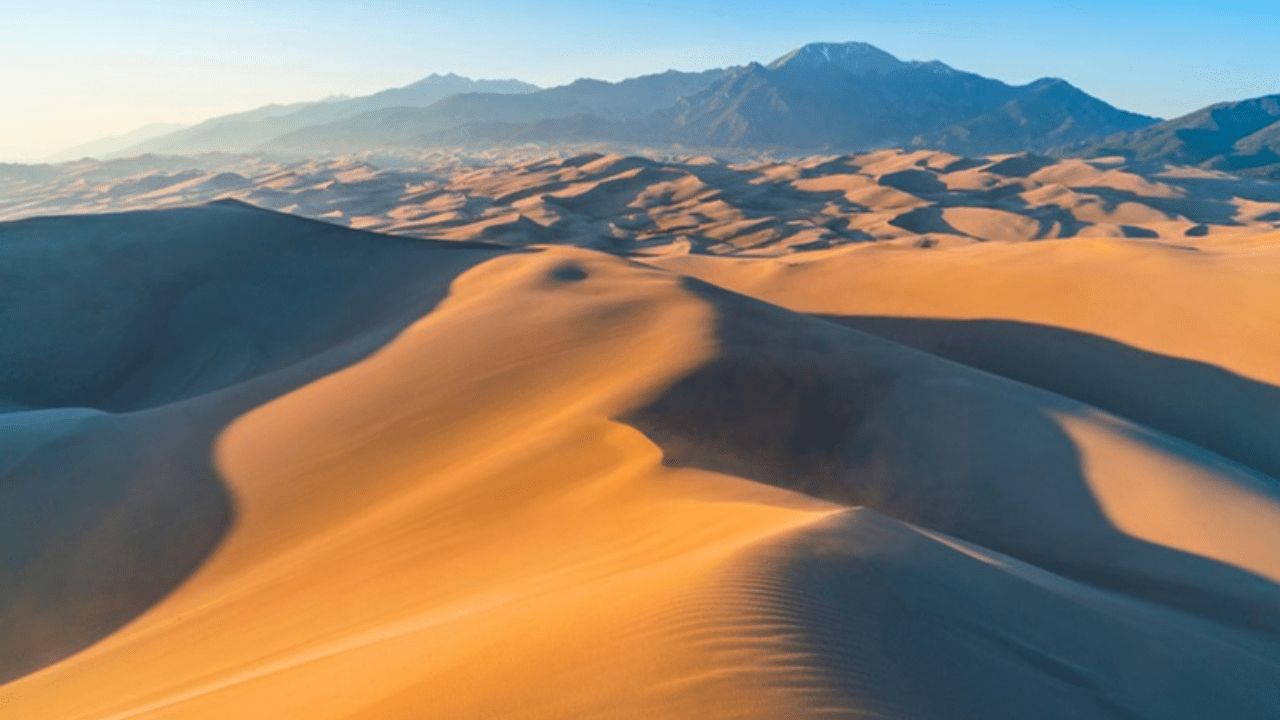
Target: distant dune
pixel 901 434
pixel 756 206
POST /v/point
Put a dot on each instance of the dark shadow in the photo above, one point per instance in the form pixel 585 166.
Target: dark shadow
pixel 839 165
pixel 582 159
pixel 844 227
pixel 568 272
pixel 1218 188
pixel 103 514
pixel 1021 166
pixel 1138 233
pixel 1222 412
pixel 953 636
pixel 1054 221
pixel 926 220
pixel 914 182
pixel 841 415
pixel 1198 209
pixel 963 164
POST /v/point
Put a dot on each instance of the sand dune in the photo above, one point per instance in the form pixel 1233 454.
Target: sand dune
pixel 1173 338
pixel 893 435
pixel 633 205
pixel 191 317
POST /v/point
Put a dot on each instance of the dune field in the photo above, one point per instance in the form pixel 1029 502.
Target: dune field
pixel 894 435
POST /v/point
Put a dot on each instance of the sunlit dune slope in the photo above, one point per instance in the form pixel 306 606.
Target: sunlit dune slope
pixel 555 483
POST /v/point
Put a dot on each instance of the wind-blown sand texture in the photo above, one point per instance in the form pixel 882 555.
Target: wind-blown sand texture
pixel 892 435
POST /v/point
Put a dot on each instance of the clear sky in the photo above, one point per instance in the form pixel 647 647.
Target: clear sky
pixel 77 70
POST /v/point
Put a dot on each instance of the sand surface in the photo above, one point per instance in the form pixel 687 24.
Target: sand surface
pixel 892 435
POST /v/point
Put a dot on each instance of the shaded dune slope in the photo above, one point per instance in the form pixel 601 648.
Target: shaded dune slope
pixel 864 616
pixel 860 421
pixel 177 304
pixel 1176 339
pixel 556 483
pixel 131 340
pixel 1221 411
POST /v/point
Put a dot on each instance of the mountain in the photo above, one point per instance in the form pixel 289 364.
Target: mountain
pixel 604 101
pixel 855 96
pixel 820 97
pixel 854 57
pixel 242 132
pixel 802 103
pixel 1238 137
pixel 107 146
pixel 1044 114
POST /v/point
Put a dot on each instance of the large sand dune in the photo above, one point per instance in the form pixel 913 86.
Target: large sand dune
pixel 896 435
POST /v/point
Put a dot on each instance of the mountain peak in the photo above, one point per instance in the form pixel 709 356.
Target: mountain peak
pixel 438 79
pixel 1051 83
pixel 856 57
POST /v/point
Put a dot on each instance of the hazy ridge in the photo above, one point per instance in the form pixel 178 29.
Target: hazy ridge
pixel 822 97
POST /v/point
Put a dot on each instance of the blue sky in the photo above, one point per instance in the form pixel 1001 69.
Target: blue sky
pixel 77 70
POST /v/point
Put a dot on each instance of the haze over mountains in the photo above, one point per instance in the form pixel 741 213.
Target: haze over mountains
pixel 109 146
pixel 246 131
pixel 493 117
pixel 823 97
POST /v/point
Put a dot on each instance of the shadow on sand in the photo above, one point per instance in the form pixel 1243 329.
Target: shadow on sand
pixel 1203 404
pixel 841 415
pixel 108 496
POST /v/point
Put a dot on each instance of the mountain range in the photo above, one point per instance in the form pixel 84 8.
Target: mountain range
pixel 855 96
pixel 108 146
pixel 1242 138
pixel 247 131
pixel 822 97
pixel 611 103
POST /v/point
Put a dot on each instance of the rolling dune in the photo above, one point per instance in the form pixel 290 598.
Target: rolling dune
pixel 899 435
pixel 636 205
